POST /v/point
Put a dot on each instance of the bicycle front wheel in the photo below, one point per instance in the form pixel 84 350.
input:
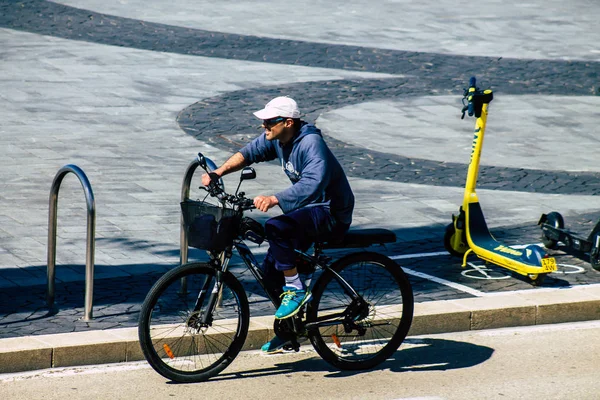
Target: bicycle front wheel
pixel 179 340
pixel 359 334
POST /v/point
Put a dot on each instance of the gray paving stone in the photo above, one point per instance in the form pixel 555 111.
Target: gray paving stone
pixel 133 117
pixel 519 30
pixel 518 126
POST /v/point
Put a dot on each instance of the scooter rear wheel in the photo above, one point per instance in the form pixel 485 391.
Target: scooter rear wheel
pixel 537 279
pixel 449 238
pixel 556 220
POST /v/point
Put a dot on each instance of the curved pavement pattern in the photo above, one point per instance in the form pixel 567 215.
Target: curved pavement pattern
pixel 427 74
pixel 112 86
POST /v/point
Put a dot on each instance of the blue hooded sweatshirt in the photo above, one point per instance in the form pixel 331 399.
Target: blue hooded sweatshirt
pixel 317 176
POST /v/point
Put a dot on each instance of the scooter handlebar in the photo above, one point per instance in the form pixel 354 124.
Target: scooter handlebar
pixel 472 89
pixel 474 99
pixel 468 95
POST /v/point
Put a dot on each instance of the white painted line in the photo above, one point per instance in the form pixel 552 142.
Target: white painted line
pixel 454 285
pixel 576 269
pixel 420 255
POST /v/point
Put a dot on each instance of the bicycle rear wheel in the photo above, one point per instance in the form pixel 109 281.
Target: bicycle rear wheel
pixel 368 339
pixel 173 338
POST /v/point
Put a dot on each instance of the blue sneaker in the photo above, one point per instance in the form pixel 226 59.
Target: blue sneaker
pixel 275 345
pixel 293 300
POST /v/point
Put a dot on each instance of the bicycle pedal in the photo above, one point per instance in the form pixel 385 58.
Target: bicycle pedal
pixel 292 346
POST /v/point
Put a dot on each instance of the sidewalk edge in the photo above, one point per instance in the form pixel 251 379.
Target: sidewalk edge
pixel 532 307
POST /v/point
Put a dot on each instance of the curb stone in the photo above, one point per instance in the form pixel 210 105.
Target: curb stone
pixel 532 307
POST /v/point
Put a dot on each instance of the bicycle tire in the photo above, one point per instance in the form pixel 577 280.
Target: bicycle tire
pixel 385 286
pixel 179 351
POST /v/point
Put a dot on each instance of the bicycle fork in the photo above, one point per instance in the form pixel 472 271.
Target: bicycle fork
pixel 214 296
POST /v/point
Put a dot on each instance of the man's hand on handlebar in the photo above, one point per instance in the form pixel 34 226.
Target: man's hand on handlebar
pixel 210 177
pixel 264 203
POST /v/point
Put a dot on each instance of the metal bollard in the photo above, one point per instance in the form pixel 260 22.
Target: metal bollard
pixel 90 239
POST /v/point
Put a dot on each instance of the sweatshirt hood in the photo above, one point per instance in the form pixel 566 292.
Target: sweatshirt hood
pixel 305 130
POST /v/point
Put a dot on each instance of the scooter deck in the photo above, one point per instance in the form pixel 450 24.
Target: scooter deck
pixel 487 248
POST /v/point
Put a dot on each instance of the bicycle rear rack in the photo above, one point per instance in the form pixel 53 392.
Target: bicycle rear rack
pixel 90 241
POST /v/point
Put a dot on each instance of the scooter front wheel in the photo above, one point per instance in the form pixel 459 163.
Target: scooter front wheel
pixel 449 239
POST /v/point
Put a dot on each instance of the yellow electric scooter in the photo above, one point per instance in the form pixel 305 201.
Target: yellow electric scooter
pixel 468 231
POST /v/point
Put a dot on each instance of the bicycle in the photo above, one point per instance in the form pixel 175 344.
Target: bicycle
pixel 195 319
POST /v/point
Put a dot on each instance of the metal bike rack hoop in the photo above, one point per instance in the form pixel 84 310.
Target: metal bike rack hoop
pixel 90 240
pixel 185 195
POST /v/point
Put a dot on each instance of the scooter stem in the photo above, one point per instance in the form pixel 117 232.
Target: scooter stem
pixel 473 172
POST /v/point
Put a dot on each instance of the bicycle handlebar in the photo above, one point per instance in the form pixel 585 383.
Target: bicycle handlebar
pixel 215 190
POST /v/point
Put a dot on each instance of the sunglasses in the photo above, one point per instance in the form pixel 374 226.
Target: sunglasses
pixel 270 123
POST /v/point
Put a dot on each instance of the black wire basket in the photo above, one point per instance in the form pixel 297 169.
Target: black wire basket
pixel 209 227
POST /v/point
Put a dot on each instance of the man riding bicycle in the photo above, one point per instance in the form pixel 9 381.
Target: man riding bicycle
pixel 317 207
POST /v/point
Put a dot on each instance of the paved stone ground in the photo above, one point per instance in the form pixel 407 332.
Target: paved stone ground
pixel 131 91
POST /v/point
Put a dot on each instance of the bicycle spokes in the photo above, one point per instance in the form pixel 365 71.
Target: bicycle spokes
pixel 358 331
pixel 193 335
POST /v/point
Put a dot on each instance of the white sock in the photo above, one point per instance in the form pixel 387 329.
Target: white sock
pixel 294 281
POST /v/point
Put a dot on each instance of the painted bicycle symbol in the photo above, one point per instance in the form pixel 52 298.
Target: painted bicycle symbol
pixel 484 272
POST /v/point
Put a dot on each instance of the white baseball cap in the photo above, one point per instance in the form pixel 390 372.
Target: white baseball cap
pixel 282 106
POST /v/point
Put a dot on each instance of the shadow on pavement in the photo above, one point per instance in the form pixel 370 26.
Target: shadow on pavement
pixel 423 355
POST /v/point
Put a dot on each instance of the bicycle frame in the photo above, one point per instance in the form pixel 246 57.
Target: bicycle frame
pixel 192 334
pixel 222 262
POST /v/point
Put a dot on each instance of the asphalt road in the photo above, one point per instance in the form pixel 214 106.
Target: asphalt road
pixel 543 362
